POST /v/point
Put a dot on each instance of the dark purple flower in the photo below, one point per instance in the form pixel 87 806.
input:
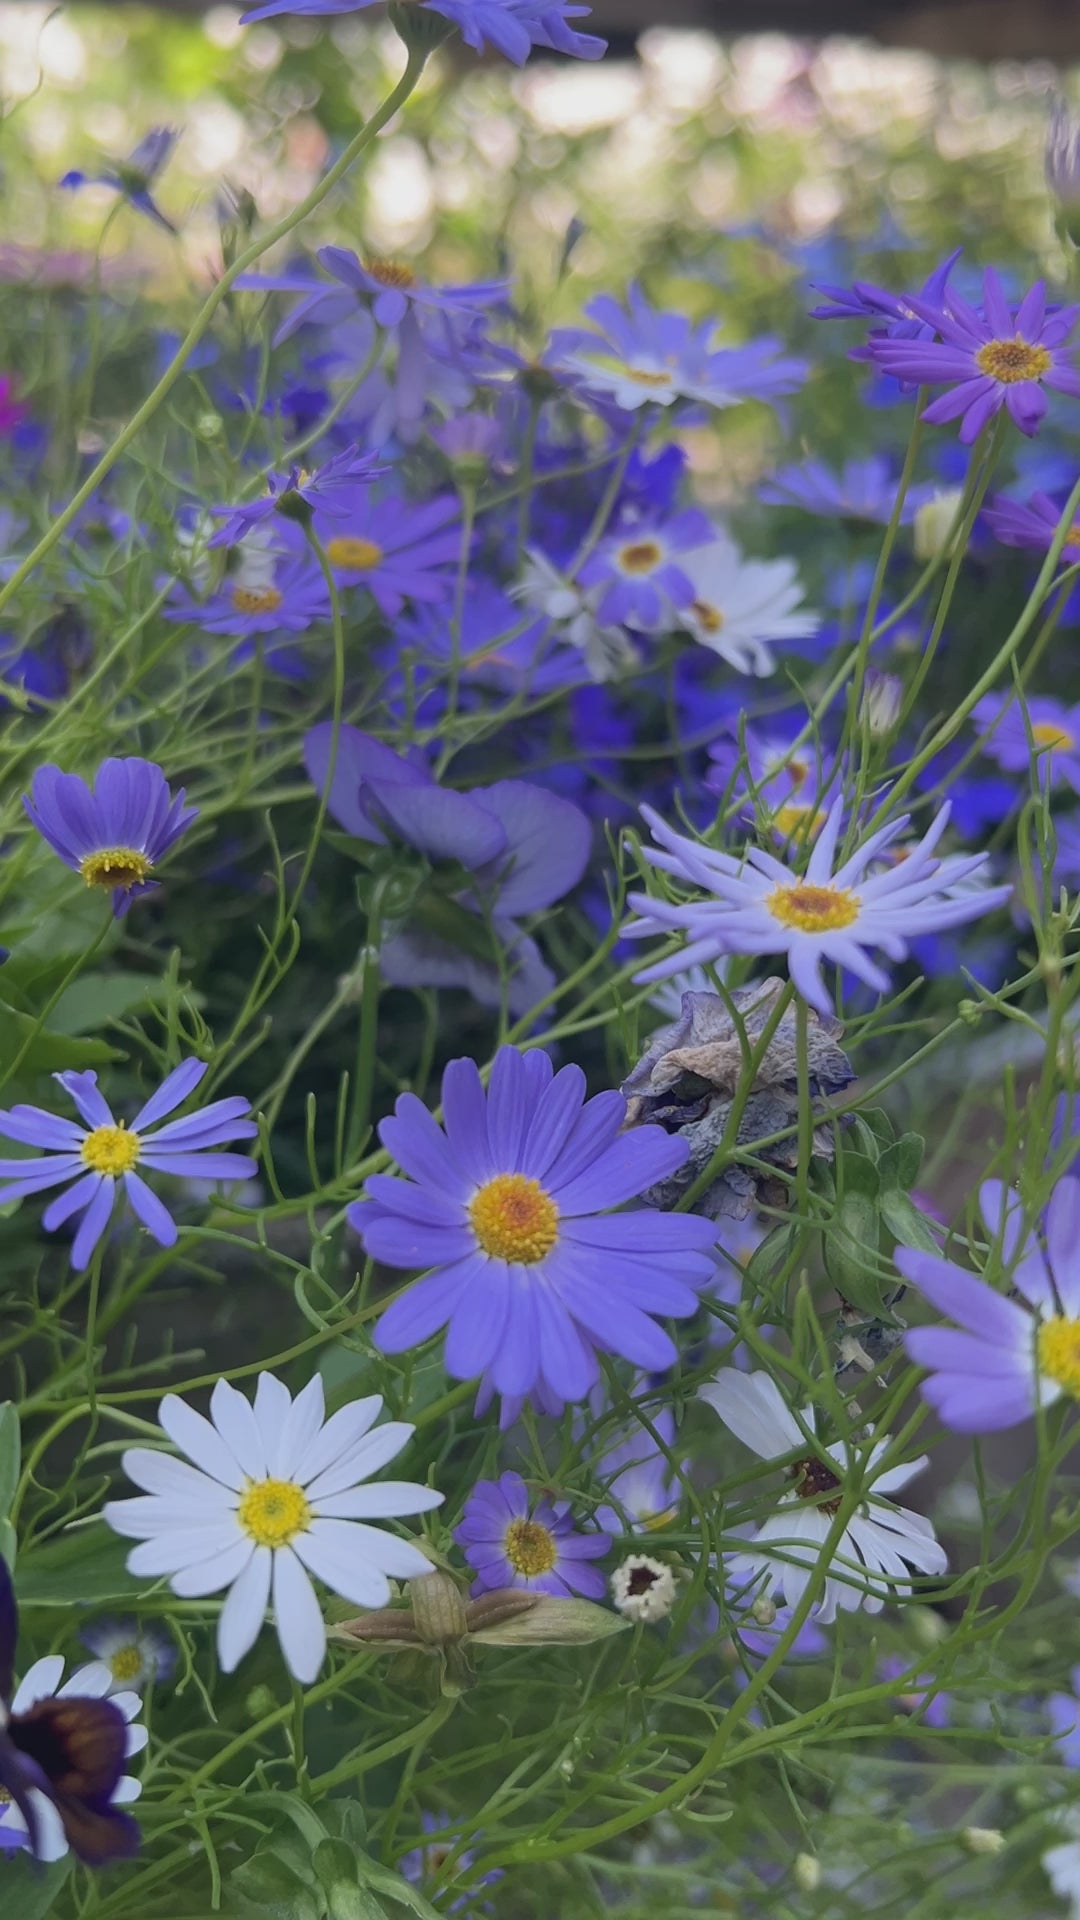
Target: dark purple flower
pixel 115 834
pixel 1001 357
pixel 69 1748
pixel 426 1866
pixel 513 1540
pixel 90 1160
pixel 507 1203
pixel 864 301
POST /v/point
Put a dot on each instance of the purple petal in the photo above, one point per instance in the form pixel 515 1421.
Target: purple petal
pixel 94 1222
pixel 155 1217
pixel 173 1090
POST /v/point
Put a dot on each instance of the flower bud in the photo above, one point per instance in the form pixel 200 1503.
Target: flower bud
pixel 643 1589
pixel 927 1627
pixel 806 1872
pixel 984 1840
pixel 389 1627
pixel 882 697
pixel 563 1623
pixel 763 1610
pixel 934 522
pixel 438 1609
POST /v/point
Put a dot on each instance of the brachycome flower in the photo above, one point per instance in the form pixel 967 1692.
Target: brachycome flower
pixel 741 605
pixel 1012 1353
pixel 508 1205
pixel 138 1653
pixel 514 27
pixel 513 1540
pixel 91 1159
pixel 114 834
pixel 643 1588
pixel 275 1495
pixel 57 1828
pixel 870 1562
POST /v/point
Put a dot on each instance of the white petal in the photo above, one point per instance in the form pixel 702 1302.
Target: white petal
pixel 342 1431
pixel 305 1421
pixel 898 1477
pixel 171 1479
pixel 39 1682
pixel 127 1703
pixel 137 1738
pixel 168 1552
pixel 126 1790
pixel 219 1570
pixel 360 1461
pixel 244 1611
pixel 200 1441
pixel 328 1552
pixel 273 1405
pixel 149 1515
pixel 753 1409
pixel 52 1840
pixel 91 1682
pixel 383 1500
pixel 298 1616
pixel 234 1417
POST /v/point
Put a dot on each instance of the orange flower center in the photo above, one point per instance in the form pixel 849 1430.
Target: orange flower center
pixel 1046 733
pixel 256 599
pixel 707 616
pixel 1008 361
pixel 358 556
pixel 390 273
pixel 640 556
pixel 514 1219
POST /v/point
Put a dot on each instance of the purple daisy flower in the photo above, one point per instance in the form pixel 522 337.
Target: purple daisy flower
pixel 514 27
pixel 398 551
pixel 642 1488
pixel 514 1540
pixel 759 905
pixel 865 301
pixel 1013 1352
pixel 426 1866
pixel 921 1698
pixel 862 490
pixel 1011 734
pixel 644 585
pixel 133 178
pixel 290 602
pixel 508 1204
pixel 1001 357
pixel 395 290
pixel 296 495
pixel 115 834
pixel 789 788
pixel 1032 523
pixel 643 357
pixel 96 1156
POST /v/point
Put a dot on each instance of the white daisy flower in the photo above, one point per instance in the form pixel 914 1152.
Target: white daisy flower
pixel 274 1495
pixel 609 652
pixel 643 1588
pixel 881 1542
pixel 45 1681
pixel 741 605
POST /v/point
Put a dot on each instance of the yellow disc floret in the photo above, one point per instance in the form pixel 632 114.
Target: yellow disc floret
pixel 256 599
pixel 125 1664
pixel 709 618
pixel 115 867
pixel 1011 360
pixel 530 1548
pixel 273 1512
pixel 391 273
pixel 648 377
pixel 813 909
pixel 111 1150
pixel 640 556
pixel 1059 1353
pixel 359 556
pixel 1047 734
pixel 514 1219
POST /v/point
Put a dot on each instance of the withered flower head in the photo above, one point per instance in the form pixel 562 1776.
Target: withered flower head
pixel 688 1078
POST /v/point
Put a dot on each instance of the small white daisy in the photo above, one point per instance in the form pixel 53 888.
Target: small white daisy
pixel 45 1681
pixel 740 606
pixel 137 1653
pixel 643 1588
pixel 881 1542
pixel 274 1496
pixel 609 652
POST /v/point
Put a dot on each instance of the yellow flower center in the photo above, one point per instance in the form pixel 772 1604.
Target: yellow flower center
pixel 514 1219
pixel 1046 733
pixel 125 1664
pixel 256 599
pixel 795 820
pixel 707 616
pixel 530 1548
pixel 812 1480
pixel 1008 361
pixel 647 377
pixel 115 867
pixel 640 556
pixel 360 556
pixel 390 273
pixel 273 1512
pixel 111 1150
pixel 1059 1353
pixel 813 909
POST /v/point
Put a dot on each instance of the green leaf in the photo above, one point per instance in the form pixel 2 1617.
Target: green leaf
pixel 97 997
pixel 47 1052
pixel 268 1885
pixel 8 1544
pixel 10 1455
pixel 858 1175
pixel 28 1891
pixel 338 1869
pixel 84 1565
pixel 393 1887
pixel 852 1252
pixel 906 1223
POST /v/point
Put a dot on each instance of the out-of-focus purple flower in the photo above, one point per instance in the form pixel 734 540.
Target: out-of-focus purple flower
pixel 920 1698
pixel 513 27
pixel 331 489
pixel 1014 1352
pixel 90 1160
pixel 393 289
pixel 396 549
pixel 1062 156
pixel 862 490
pixel 790 788
pixel 12 412
pixel 514 1540
pixel 1044 735
pixel 1063 1710
pixel 644 584
pixel 1031 523
pixel 510 1208
pixel 133 178
pixel 114 834
pixel 639 357
pixel 643 1492
pixel 138 1653
pixel 1001 357
pixel 289 598
pixel 426 1866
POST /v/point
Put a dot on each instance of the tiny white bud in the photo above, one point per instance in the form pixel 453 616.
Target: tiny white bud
pixel 764 1610
pixel 983 1840
pixel 806 1872
pixel 209 426
pixel 643 1588
pixel 882 697
pixel 934 521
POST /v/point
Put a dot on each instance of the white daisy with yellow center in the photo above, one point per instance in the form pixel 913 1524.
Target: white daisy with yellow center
pixel 273 1496
pixel 742 607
